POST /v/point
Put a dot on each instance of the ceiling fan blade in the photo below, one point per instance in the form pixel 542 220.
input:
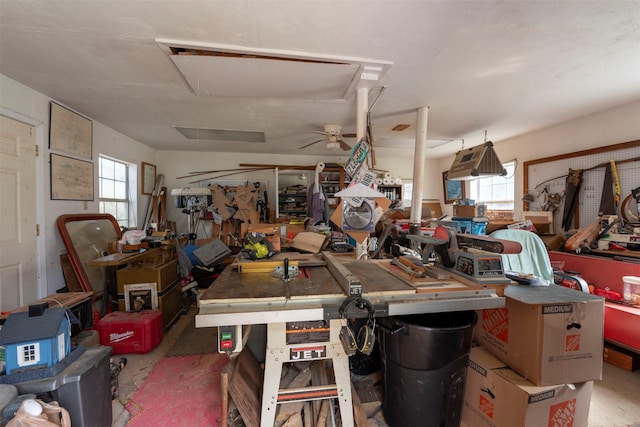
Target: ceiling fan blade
pixel 310 144
pixel 344 145
pixel 349 135
pixel 318 132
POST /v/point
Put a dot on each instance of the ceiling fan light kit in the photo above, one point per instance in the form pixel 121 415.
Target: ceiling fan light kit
pixel 333 145
pixel 332 137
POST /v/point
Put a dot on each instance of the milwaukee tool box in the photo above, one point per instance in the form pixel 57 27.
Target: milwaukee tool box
pixel 131 332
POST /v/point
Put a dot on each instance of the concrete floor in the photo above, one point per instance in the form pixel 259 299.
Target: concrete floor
pixel 615 400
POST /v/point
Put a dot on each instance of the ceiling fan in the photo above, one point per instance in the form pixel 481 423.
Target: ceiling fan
pixel 332 137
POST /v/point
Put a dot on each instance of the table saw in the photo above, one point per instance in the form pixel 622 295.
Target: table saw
pixel 314 292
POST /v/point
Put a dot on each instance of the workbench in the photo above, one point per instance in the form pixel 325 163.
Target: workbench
pixel 316 294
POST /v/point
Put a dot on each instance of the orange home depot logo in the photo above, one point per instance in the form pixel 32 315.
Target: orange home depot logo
pixel 486 406
pixel 572 343
pixel 562 414
pixel 495 321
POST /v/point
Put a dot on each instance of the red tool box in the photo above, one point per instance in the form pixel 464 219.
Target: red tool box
pixel 131 332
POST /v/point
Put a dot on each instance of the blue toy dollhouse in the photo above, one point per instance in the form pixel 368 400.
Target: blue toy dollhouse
pixel 36 340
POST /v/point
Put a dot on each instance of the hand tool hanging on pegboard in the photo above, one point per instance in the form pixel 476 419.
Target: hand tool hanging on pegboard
pixel 607 203
pixel 574 181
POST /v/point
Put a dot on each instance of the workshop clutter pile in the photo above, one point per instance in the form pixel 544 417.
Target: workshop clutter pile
pixel 537 359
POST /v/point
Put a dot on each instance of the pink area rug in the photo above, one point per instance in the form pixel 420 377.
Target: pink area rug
pixel 180 391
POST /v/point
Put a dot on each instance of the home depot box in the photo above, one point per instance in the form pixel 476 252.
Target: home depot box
pixel 497 396
pixel 549 335
pixel 131 332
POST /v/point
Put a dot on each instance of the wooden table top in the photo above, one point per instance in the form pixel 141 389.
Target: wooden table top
pixel 66 299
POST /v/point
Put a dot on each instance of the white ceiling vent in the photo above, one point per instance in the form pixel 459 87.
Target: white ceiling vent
pixel 222 135
pixel 237 71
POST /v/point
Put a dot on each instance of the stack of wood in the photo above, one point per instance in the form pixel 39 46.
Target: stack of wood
pixel 245 388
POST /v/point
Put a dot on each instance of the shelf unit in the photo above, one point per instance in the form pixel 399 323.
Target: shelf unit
pixel 392 192
pixel 333 180
pixel 292 204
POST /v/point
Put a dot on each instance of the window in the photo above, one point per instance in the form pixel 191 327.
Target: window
pixel 28 354
pixel 407 193
pixel 115 194
pixel 496 192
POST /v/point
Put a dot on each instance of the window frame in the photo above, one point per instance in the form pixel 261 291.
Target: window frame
pixel 128 201
pixel 29 354
pixel 475 190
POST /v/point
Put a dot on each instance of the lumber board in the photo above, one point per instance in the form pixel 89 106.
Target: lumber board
pixel 308 241
pixel 359 416
pixel 224 393
pixel 245 388
pixel 287 410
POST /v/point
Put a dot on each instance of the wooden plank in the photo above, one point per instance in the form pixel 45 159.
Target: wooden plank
pixel 286 410
pixel 66 299
pixel 308 241
pixel 359 416
pixel 245 388
pixel 224 393
pixel 70 278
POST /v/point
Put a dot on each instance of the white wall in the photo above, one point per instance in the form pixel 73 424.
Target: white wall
pixel 22 103
pixel 617 125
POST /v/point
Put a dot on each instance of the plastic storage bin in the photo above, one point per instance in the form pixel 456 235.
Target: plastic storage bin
pixel 131 332
pixel 83 388
pixel 631 290
pixel 424 366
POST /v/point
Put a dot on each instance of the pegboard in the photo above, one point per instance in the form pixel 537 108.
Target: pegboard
pixel 545 179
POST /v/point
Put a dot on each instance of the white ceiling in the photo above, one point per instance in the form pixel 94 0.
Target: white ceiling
pixel 507 67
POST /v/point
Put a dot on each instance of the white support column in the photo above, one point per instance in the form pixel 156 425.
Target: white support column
pixel 418 170
pixel 362 108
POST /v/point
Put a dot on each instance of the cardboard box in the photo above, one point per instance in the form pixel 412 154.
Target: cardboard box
pixel 497 396
pixel 464 211
pixel 164 275
pixel 548 334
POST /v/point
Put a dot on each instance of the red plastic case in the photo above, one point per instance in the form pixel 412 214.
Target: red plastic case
pixel 131 332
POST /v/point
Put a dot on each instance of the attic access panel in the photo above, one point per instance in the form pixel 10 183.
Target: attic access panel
pixel 236 71
pixel 258 78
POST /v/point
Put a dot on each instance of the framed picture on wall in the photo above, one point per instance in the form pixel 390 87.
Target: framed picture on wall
pixel 148 172
pixel 71 179
pixel 69 132
pixel 453 190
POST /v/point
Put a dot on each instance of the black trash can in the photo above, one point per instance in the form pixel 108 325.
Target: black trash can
pixel 424 362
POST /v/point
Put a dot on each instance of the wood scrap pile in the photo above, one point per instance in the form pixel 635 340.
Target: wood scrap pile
pixel 245 389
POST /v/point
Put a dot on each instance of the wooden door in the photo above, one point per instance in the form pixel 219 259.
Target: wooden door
pixel 18 274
